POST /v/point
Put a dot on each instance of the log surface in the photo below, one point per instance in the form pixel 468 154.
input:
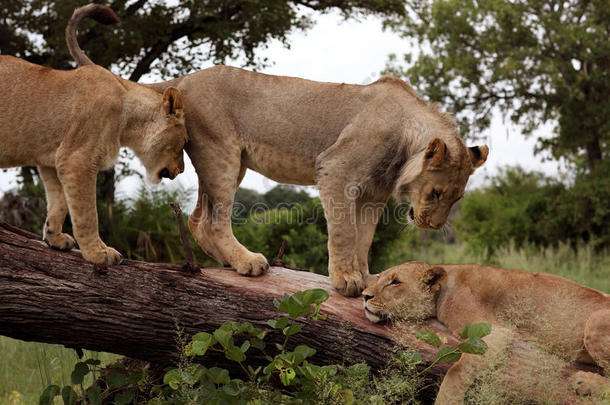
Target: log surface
pixel 135 309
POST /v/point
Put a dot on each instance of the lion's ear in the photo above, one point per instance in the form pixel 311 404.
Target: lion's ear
pixel 436 153
pixel 478 155
pixel 172 102
pixel 433 277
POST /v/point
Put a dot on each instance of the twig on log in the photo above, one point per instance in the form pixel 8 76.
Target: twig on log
pixel 278 262
pixel 191 266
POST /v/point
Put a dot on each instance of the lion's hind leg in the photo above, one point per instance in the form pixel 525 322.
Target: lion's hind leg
pixel 220 173
pixel 462 374
pixel 57 209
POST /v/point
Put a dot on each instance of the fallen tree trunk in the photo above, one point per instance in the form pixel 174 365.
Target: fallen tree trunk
pixel 136 309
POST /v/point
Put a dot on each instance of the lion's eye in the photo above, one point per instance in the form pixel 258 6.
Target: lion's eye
pixel 395 282
pixel 436 194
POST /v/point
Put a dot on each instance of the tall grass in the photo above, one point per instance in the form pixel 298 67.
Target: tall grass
pixel 27 368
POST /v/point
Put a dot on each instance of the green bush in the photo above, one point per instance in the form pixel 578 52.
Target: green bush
pixel 529 208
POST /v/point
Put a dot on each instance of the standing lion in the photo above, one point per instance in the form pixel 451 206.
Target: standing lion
pixel 358 144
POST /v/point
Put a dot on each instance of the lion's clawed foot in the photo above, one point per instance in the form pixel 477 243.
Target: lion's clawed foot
pixel 103 255
pixel 347 283
pixel 61 241
pixel 586 383
pixel 252 264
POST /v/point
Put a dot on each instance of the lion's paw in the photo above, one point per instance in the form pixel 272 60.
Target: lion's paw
pixel 105 255
pixel 62 241
pixel 586 383
pixel 349 284
pixel 253 264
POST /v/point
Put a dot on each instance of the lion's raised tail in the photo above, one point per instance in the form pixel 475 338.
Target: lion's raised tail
pixel 101 14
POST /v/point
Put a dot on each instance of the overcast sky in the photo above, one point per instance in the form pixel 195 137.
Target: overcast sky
pixel 352 51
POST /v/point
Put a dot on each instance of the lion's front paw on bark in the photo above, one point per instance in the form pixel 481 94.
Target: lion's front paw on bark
pixel 105 255
pixel 586 383
pixel 349 284
pixel 62 241
pixel 252 264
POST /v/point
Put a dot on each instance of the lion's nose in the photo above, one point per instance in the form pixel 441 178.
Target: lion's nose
pixel 367 297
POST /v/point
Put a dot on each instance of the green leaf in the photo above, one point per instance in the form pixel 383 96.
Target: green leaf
pixel 245 346
pixel 124 397
pixel 69 395
pixel 478 330
pixel 257 343
pixel 48 395
pixel 302 352
pixel 234 353
pixel 203 337
pixel 224 337
pixel 218 375
pixel 474 345
pixel 200 347
pixel 172 378
pixel 429 336
pixel 93 362
pixel 78 374
pixel 94 395
pixel 116 379
pixel 447 355
pixel 314 296
pixel 279 323
pixel 287 375
pixel 291 330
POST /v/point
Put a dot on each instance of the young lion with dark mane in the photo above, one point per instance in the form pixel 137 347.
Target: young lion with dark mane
pixel 569 320
pixel 358 144
pixel 71 124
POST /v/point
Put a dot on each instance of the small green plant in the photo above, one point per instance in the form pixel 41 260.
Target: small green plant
pixel 287 377
pixel 472 343
pixel 288 369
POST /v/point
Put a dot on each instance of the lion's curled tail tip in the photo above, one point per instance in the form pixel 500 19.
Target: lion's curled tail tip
pixel 100 13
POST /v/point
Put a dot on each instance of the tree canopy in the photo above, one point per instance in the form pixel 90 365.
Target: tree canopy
pixel 171 38
pixel 536 61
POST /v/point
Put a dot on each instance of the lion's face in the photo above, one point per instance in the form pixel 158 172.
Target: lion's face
pixel 164 157
pixel 407 291
pixel 441 182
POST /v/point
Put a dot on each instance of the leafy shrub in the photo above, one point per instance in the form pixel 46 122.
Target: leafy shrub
pixel 288 377
pixel 529 208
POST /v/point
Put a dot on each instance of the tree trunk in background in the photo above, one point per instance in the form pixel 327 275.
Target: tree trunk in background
pixel 27 174
pixel 136 308
pixel 106 185
pixel 594 152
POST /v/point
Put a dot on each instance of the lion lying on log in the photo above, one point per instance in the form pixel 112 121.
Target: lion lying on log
pixel 565 318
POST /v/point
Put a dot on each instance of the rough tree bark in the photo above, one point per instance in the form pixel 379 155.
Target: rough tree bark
pixel 135 309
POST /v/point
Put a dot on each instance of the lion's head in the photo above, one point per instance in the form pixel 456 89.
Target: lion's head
pixel 407 291
pixel 435 180
pixel 163 153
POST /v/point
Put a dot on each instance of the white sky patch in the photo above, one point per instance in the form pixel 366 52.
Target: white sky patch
pixel 335 50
